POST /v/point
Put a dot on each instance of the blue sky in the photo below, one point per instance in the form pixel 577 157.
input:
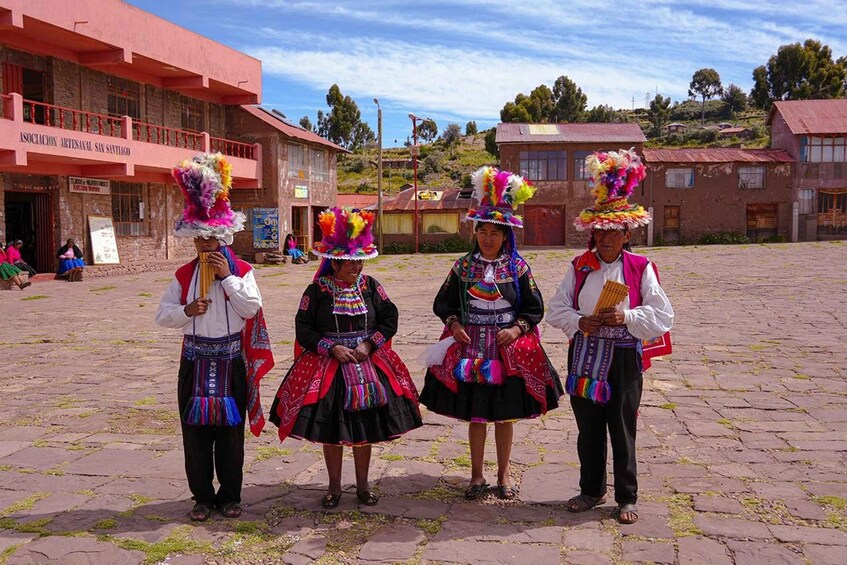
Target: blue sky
pixel 463 60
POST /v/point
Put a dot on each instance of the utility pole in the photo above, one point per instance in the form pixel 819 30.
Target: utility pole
pixel 415 164
pixel 379 172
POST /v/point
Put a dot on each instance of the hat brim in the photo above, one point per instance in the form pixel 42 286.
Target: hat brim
pixel 494 216
pixel 632 217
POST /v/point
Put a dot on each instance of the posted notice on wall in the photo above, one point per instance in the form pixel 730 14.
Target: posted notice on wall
pixel 266 228
pixel 104 246
pixel 89 186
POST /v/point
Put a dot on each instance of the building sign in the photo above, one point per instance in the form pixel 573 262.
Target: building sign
pixel 265 228
pixel 301 191
pixel 89 186
pixel 104 246
pixel 74 143
pixel 429 195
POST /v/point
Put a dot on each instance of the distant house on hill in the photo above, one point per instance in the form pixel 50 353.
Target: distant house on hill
pixel 440 214
pixel 552 157
pixel 695 192
pixel 741 132
pixel 814 133
pixel 676 127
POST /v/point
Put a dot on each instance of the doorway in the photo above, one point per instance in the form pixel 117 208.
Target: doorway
pixel 761 221
pixel 300 227
pixel 544 225
pixel 28 218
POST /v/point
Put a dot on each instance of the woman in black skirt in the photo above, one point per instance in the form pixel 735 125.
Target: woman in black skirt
pixel 489 365
pixel 347 386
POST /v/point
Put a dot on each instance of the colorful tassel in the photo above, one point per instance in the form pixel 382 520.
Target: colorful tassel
pixel 212 411
pixel 590 389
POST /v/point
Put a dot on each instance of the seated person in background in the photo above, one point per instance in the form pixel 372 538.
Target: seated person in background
pixel 290 249
pixel 10 272
pixel 13 256
pixel 70 261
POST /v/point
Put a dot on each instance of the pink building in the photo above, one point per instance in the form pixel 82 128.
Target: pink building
pixel 100 100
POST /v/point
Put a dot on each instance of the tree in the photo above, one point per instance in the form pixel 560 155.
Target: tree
pixel 536 108
pixel 427 130
pixel 707 84
pixel 659 113
pixel 306 123
pixel 451 136
pixel 799 72
pixel 735 98
pixel 568 100
pixel 343 125
pixel 491 143
pixel 604 114
pixel 470 128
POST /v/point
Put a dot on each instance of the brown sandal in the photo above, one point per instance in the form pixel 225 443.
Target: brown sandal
pixel 583 502
pixel 330 500
pixel 200 513
pixel 626 514
pixel 506 492
pixel 367 498
pixel 231 510
pixel 475 491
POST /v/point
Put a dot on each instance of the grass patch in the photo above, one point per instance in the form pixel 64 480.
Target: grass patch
pixel 139 499
pixel 147 422
pixel 462 461
pixel 431 527
pixel 681 515
pixel 25 504
pixel 271 452
pixel 440 493
pixel 801 376
pixel 726 423
pixel 34 297
pixel 107 524
pixel 145 294
pixel 146 401
pixel 352 531
pixel 102 288
pixel 176 542
pixel 832 501
pixel 392 457
pixel 668 405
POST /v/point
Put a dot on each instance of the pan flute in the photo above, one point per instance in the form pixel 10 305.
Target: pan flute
pixel 207 274
pixel 612 294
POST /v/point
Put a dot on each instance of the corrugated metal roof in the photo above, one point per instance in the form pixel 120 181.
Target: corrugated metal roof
pixel 812 116
pixel 286 127
pixel 730 131
pixel 355 200
pixel 405 200
pixel 716 155
pixel 569 133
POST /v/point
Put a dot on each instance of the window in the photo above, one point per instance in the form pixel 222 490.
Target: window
pixel 544 165
pixel 193 115
pixel 823 150
pixel 679 178
pixel 442 222
pixel 296 161
pixel 751 177
pixel 123 98
pixel 806 198
pixel 399 223
pixel 579 171
pixel 128 209
pixel 320 166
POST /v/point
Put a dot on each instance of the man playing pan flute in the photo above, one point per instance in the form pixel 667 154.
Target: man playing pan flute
pixel 216 303
pixel 607 353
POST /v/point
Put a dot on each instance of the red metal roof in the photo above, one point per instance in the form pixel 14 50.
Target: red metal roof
pixel 812 116
pixel 405 200
pixel 355 200
pixel 570 133
pixel 716 155
pixel 290 130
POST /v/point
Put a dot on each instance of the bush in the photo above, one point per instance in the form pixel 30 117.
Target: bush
pixel 355 164
pixel 454 244
pixel 723 238
pixel 397 249
pixel 774 239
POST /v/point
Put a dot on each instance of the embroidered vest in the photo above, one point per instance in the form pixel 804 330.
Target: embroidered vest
pixel 633 272
pixel 183 275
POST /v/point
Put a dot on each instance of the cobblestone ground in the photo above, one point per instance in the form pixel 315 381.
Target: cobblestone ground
pixel 742 436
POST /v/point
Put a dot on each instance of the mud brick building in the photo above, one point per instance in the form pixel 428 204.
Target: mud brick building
pixel 99 101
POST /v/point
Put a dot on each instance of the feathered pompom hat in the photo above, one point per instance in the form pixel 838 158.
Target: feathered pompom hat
pixel 499 194
pixel 614 175
pixel 346 234
pixel 205 181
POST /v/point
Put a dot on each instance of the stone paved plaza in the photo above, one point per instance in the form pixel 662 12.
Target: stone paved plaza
pixel 742 433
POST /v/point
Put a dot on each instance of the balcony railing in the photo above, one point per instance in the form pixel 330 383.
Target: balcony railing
pixel 52 115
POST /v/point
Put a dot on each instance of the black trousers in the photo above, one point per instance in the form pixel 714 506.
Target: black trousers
pixel 209 449
pixel 619 417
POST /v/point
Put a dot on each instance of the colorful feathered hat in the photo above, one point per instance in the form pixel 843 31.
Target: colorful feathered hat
pixel 205 181
pixel 614 175
pixel 499 194
pixel 346 234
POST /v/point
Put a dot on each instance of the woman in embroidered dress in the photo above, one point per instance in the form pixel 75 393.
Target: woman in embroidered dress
pixel 11 272
pixel 290 249
pixel 490 365
pixel 70 261
pixel 347 386
pixel 609 348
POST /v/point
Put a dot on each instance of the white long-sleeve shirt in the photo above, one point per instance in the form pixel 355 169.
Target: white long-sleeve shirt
pixel 653 318
pixel 244 302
